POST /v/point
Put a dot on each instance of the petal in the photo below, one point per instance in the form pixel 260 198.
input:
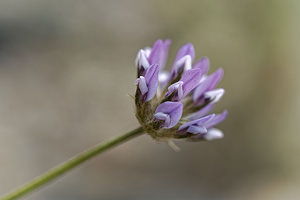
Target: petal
pixel 203 63
pixel 187 49
pixel 175 88
pixel 185 63
pixel 151 77
pixel 141 82
pixel 197 130
pixel 198 122
pixel 213 134
pixel 209 83
pixel 173 109
pixel 162 116
pixel 202 112
pixel 191 79
pixel 141 60
pixel 213 96
pixel 147 51
pixel 159 53
pixel 217 119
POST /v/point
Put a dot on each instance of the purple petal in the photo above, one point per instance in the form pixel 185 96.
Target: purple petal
pixel 202 112
pixel 175 88
pixel 187 49
pixel 172 109
pixel 189 80
pixel 217 119
pixel 209 83
pixel 184 59
pixel 183 64
pixel 198 122
pixel 151 77
pixel 203 63
pixel 159 53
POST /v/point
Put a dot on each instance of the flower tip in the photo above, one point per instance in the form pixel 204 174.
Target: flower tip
pixel 141 60
pixel 168 42
pixel 213 96
pixel 203 63
pixel 220 72
pixel 158 43
pixel 186 49
pixel 190 49
pixel 213 134
pixel 189 46
pixel 225 113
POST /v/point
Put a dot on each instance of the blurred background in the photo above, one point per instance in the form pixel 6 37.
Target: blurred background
pixel 67 67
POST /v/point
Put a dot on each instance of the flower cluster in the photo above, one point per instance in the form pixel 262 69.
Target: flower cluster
pixel 177 104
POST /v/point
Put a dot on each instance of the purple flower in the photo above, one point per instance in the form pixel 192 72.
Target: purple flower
pixel 185 97
pixel 206 85
pixel 168 112
pixel 187 49
pixel 189 80
pixel 202 63
pixel 217 119
pixel 148 84
pixel 159 53
pixel 142 61
pixel 183 60
pixel 199 128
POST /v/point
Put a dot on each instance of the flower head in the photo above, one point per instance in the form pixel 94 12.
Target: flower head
pixel 177 104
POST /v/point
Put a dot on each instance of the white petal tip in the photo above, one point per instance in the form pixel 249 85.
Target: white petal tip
pixel 214 95
pixel 213 134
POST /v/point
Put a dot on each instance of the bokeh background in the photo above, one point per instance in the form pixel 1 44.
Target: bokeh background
pixel 67 67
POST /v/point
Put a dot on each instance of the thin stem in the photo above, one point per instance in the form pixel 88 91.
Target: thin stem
pixel 70 164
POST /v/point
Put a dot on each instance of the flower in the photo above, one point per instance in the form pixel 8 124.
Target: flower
pixel 148 84
pixel 169 113
pixel 189 80
pixel 183 60
pixel 159 53
pixel 201 128
pixel 207 85
pixel 177 104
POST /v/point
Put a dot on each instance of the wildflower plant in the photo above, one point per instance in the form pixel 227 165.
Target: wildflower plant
pixel 173 104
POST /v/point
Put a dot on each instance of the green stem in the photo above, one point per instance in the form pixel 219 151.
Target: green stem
pixel 70 164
